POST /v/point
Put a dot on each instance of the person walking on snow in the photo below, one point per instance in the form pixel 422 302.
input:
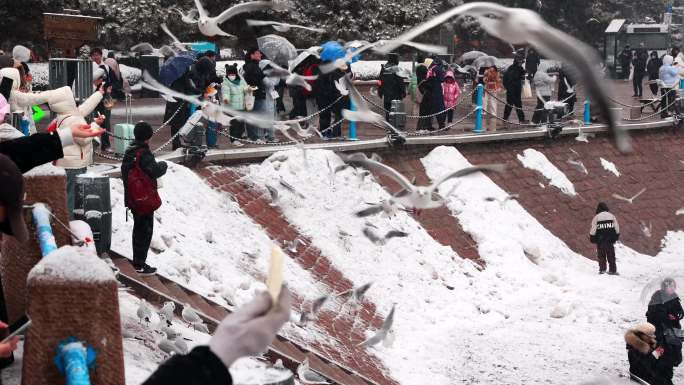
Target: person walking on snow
pixel 604 232
pixel 138 154
pixel 513 79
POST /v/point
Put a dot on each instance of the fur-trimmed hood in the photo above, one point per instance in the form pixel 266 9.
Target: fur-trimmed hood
pixel 641 338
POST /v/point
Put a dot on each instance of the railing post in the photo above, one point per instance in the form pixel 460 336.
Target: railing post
pixel 352 124
pixel 587 112
pixel 41 219
pixel 479 112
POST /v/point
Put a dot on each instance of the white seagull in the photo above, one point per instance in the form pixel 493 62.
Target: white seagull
pixel 144 311
pixel 281 27
pixel 308 376
pixel 381 334
pixel 190 315
pixel 629 200
pixel 210 26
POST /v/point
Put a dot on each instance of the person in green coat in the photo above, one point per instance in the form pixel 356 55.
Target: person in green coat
pixel 233 90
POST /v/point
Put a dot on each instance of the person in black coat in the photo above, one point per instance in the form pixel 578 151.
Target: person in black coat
pixel 392 86
pixel 532 63
pixel 639 62
pixel 433 97
pixel 665 313
pixel 566 84
pixel 246 332
pixel 625 59
pixel 513 82
pixel 642 353
pixel 653 70
pixel 327 94
pixel 143 224
pixel 179 109
pixel 254 76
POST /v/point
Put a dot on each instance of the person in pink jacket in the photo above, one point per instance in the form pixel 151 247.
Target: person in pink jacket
pixel 451 92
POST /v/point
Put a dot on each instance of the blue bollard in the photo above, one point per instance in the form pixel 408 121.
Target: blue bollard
pixel 41 218
pixel 73 360
pixel 681 84
pixel 352 125
pixel 478 114
pixel 587 112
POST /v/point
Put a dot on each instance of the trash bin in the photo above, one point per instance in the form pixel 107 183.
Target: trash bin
pixel 151 64
pixel 397 116
pixel 93 205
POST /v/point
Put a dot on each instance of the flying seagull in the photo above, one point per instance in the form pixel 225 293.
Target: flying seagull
pixel 421 197
pixel 579 166
pixel 291 188
pixel 387 206
pixel 520 26
pixel 370 234
pixel 355 294
pixel 189 18
pixel 312 312
pixel 281 27
pixel 381 334
pixel 210 26
pixel 629 200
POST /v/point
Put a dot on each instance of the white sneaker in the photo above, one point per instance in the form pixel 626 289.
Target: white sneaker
pixel 259 141
pixel 238 143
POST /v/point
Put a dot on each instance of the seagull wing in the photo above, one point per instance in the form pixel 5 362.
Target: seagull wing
pixel 142 47
pixel 389 321
pixel 467 171
pixel 200 9
pixel 177 43
pixel 251 6
pixel 375 209
pixel 372 236
pixel 396 234
pixel 620 197
pixel 151 83
pixel 403 182
pixel 639 194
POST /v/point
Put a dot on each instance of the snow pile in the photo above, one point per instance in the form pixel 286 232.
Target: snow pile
pixel 70 263
pixel 557 307
pixel 535 160
pixel 426 279
pixel 222 265
pixel 47 169
pixel 610 167
pixel 370 69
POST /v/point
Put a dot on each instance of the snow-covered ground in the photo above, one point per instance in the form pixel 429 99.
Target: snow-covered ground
pixel 537 314
pixel 535 160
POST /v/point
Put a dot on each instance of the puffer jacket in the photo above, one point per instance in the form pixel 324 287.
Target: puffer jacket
pixel 61 102
pixel 451 90
pixel 234 91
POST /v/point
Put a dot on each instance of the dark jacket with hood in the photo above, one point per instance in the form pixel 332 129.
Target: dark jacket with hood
pixel 664 312
pixel 199 367
pixel 203 73
pixel 392 85
pixel 325 90
pixel 604 227
pixel 148 164
pixel 431 88
pixel 653 67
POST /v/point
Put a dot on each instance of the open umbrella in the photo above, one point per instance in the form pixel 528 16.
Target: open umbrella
pixel 484 61
pixel 277 48
pixel 469 57
pixel 175 67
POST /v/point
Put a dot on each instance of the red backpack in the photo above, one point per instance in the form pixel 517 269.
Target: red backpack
pixel 143 198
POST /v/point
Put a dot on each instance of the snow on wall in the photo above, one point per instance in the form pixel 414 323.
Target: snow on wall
pixel 70 263
pixel 424 278
pixel 47 169
pixel 610 167
pixel 535 160
pixel 556 308
pixel 41 74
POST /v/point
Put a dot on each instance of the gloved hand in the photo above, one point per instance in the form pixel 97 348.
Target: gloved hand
pixel 340 87
pixel 251 328
pixel 671 317
pixel 8 347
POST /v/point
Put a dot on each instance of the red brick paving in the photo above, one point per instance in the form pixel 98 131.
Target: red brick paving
pixel 345 331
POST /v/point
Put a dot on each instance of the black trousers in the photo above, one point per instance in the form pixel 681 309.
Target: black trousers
pixel 237 129
pixel 450 116
pixel 667 102
pixel 178 120
pixel 653 86
pixel 638 83
pixel 540 114
pixel 143 227
pixel 514 99
pixel 298 107
pixel 606 253
pixel 325 121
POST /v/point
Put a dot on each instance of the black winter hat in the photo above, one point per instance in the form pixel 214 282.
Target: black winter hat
pixel 231 69
pixel 142 131
pixel 601 207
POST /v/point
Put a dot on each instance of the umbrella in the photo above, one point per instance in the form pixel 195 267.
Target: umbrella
pixel 175 67
pixel 277 48
pixel 469 57
pixel 484 61
pixel 300 59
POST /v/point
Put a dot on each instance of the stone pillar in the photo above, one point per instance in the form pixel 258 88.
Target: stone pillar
pixel 45 184
pixel 73 293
